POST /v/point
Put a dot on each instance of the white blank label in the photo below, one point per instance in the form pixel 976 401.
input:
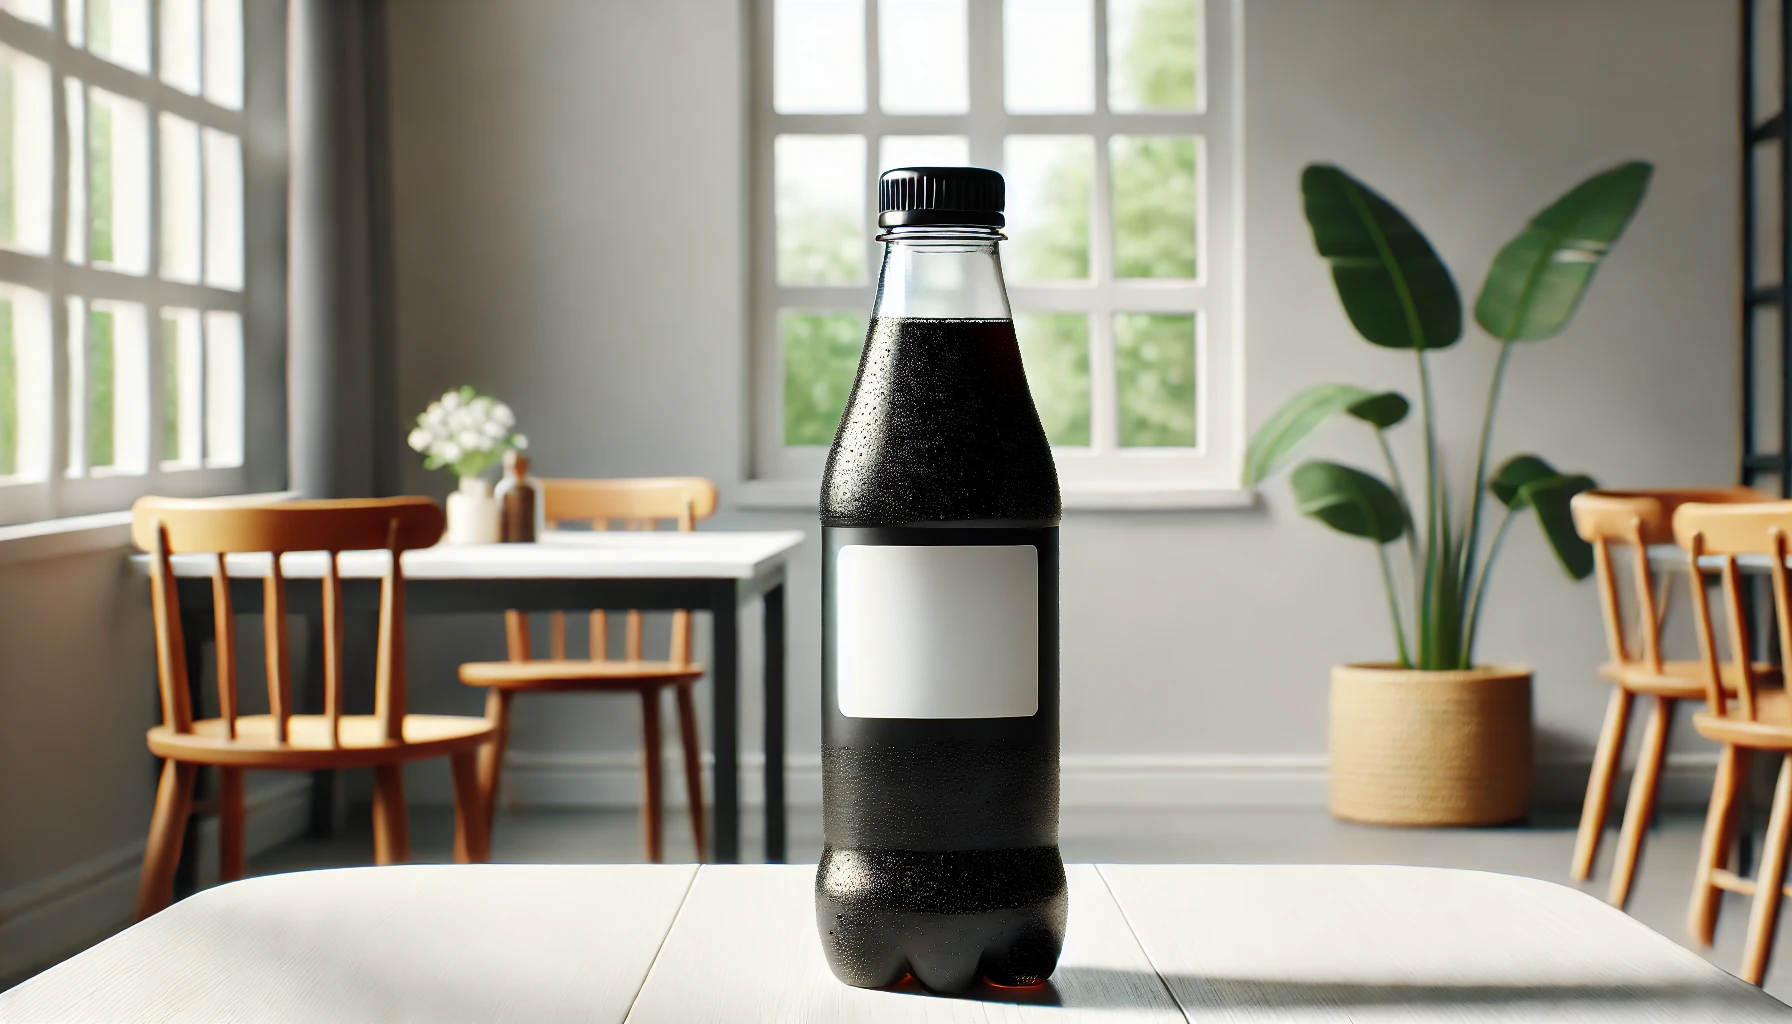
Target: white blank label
pixel 937 631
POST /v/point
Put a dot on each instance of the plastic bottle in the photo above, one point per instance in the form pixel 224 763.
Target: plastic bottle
pixel 940 511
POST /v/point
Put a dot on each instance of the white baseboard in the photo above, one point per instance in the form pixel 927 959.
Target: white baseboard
pixel 49 918
pixel 613 779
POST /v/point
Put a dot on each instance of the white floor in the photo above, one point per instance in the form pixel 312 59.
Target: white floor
pixel 1540 850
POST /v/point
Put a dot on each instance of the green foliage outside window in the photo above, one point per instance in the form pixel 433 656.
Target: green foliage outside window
pixel 171 389
pixel 1154 205
pixel 821 357
pixel 99 26
pixel 99 180
pixel 9 394
pixel 99 388
pixel 1057 248
pixel 1055 349
pixel 1158 71
pixel 1154 368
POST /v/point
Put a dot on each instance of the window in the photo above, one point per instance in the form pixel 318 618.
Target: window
pixel 1115 123
pixel 126 313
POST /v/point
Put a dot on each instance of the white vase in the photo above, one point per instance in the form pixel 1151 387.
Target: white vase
pixel 472 513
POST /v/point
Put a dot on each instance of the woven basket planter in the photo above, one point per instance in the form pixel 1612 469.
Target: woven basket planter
pixel 1430 748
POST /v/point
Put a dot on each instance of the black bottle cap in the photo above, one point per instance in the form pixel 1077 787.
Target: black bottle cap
pixel 910 196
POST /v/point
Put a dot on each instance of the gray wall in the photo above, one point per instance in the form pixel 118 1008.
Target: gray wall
pixel 570 235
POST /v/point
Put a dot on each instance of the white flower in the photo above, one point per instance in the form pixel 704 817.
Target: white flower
pixel 448 452
pixel 451 401
pixel 519 442
pixel 467 439
pixel 435 415
pixel 419 440
pixel 502 415
pixel 492 428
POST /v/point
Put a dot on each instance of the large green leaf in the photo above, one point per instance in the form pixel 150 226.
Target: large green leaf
pixel 1348 500
pixel 1382 410
pixel 1509 480
pixel 1537 281
pixel 1550 497
pixel 1298 417
pixel 1396 291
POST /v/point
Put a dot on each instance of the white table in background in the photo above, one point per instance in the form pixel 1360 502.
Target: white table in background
pixel 1157 943
pixel 567 571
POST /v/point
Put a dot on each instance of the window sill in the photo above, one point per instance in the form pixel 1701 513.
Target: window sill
pixel 53 538
pixel 802 495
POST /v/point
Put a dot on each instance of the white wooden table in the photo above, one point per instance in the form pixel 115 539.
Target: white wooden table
pixel 738 944
pixel 567 571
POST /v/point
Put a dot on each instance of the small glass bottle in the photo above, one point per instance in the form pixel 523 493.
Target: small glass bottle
pixel 519 501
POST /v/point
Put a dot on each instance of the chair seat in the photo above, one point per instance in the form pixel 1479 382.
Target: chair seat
pixel 360 741
pixel 1679 679
pixel 578 674
pixel 1771 729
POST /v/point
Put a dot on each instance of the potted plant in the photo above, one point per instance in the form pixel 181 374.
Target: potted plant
pixel 467 432
pixel 1436 736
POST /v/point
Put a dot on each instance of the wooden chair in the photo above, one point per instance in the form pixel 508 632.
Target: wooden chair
pixel 1744 720
pixel 383 741
pixel 639 504
pixel 1636 519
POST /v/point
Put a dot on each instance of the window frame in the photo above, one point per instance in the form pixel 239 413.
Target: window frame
pixel 1103 475
pixel 261 303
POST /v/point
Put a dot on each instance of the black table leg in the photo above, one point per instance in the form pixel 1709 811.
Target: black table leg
pixel 775 828
pixel 196 630
pixel 724 677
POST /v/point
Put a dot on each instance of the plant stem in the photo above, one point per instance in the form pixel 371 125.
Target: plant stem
pixel 1469 581
pixel 1474 604
pixel 1387 582
pixel 1387 453
pixel 1426 592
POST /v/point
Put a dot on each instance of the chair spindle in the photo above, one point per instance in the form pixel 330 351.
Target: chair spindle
pixel 171 657
pixel 389 681
pixel 224 629
pixel 332 647
pixel 600 635
pixel 273 611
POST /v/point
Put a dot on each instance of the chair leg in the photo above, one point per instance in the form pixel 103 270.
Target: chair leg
pixel 1639 809
pixel 1599 783
pixel 391 824
pixel 491 755
pixel 651 819
pixel 471 840
pixel 167 827
pixel 230 824
pixel 1714 845
pixel 1764 915
pixel 693 767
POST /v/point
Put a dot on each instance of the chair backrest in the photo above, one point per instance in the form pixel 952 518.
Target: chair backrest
pixel 1638 519
pixel 165 527
pixel 1726 531
pixel 637 504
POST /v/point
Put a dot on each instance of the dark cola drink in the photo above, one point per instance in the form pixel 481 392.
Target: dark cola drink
pixel 940 512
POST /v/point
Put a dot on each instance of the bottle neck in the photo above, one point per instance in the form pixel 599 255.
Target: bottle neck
pixel 941 273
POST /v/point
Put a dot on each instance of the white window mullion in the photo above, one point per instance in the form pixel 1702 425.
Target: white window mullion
pixel 984 40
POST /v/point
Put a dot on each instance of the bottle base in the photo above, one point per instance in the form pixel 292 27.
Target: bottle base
pixel 947 953
pixel 872 940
